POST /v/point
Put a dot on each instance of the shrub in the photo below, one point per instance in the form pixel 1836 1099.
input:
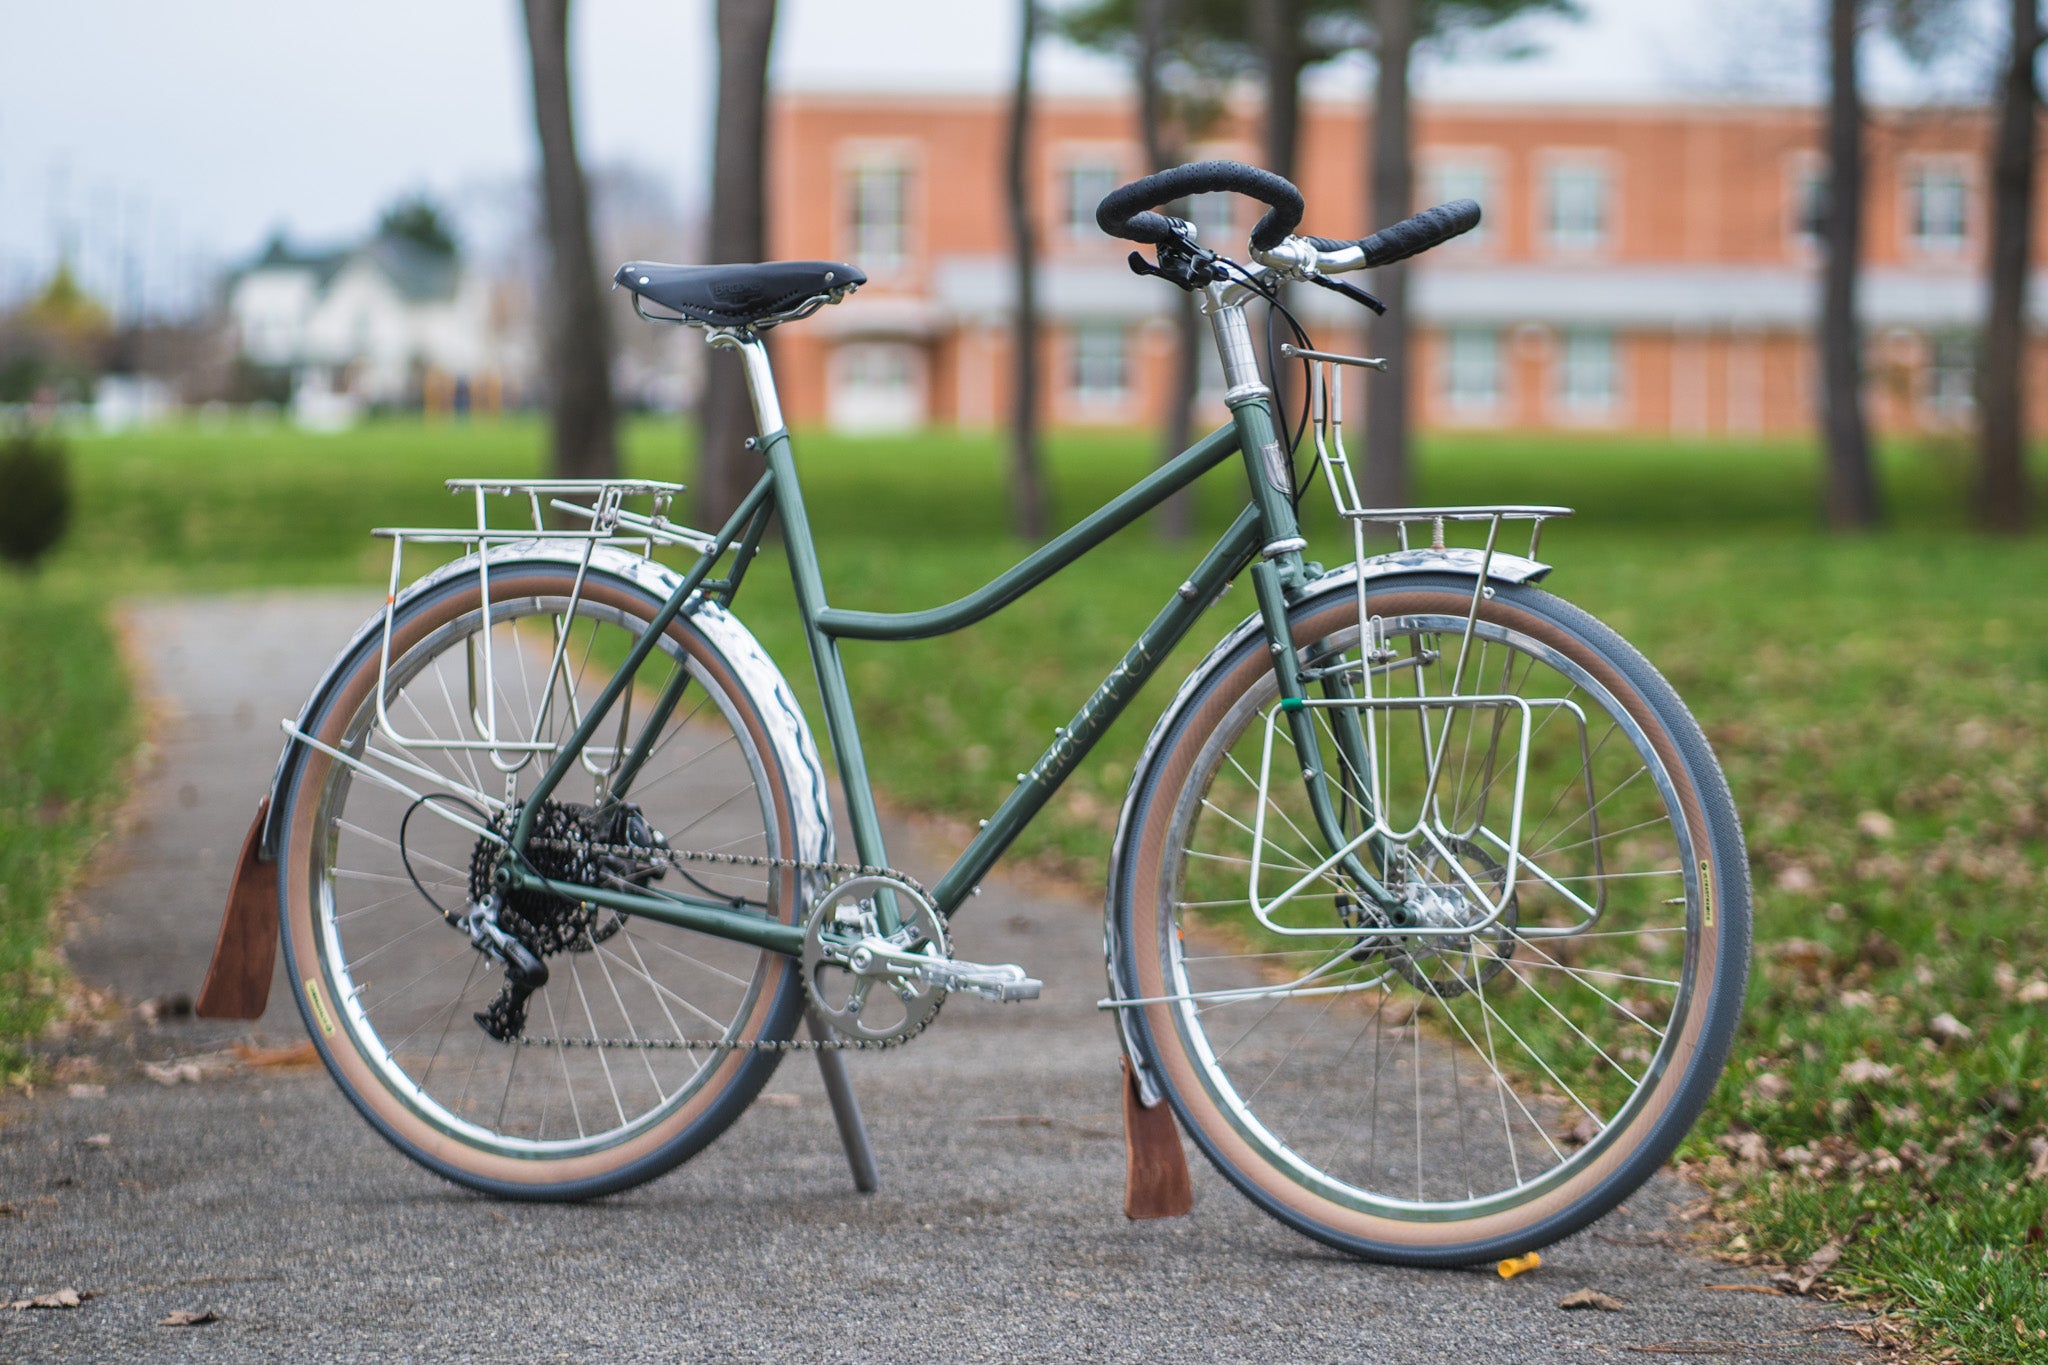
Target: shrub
pixel 35 496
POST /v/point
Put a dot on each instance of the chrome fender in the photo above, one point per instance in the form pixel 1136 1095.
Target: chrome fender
pixel 1503 568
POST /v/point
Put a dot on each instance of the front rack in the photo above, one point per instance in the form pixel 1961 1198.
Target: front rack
pixel 1512 718
pixel 603 503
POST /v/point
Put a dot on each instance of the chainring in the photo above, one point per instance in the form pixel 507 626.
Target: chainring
pixel 846 957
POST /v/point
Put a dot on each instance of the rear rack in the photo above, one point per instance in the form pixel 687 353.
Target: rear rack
pixel 600 502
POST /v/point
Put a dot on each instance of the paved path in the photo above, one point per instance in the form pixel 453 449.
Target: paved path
pixel 998 1233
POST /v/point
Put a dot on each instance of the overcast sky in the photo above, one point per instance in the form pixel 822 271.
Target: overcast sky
pixel 172 134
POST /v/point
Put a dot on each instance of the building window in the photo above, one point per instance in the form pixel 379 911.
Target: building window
pixel 1810 205
pixel 1098 374
pixel 876 386
pixel 1214 217
pixel 877 214
pixel 1473 371
pixel 1463 179
pixel 1586 381
pixel 1938 200
pixel 1085 183
pixel 1952 377
pixel 1576 210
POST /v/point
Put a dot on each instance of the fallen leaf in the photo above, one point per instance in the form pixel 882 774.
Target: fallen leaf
pixel 1797 878
pixel 1802 1279
pixel 1949 1029
pixel 1515 1265
pixel 1863 1071
pixel 173 1073
pixel 176 1005
pixel 1749 1149
pixel 300 1053
pixel 1591 1298
pixel 100 1140
pixel 186 1317
pixel 85 1090
pixel 1875 824
pixel 66 1297
pixel 2032 992
pixel 2037 1148
pixel 1768 1088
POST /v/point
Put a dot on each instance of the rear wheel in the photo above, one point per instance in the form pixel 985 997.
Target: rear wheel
pixel 1466 1096
pixel 597 1090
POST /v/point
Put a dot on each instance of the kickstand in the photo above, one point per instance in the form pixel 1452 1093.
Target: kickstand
pixel 853 1130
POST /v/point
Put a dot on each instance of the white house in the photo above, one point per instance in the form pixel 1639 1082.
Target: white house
pixel 389 321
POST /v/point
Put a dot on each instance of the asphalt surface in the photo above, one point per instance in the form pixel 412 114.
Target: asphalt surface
pixel 998 1233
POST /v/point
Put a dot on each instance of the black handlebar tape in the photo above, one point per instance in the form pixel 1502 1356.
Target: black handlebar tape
pixel 1412 236
pixel 1126 212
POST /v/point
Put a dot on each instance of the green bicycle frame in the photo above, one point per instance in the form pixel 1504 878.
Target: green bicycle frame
pixel 1266 531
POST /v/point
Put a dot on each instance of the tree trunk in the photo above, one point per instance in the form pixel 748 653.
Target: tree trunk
pixel 1392 199
pixel 1852 486
pixel 1276 28
pixel 1027 475
pixel 576 339
pixel 2002 436
pixel 738 234
pixel 1163 149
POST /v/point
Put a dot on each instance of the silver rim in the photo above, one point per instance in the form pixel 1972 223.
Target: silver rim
pixel 1458 1077
pixel 403 984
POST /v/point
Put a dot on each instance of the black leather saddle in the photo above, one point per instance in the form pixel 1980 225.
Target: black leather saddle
pixel 738 295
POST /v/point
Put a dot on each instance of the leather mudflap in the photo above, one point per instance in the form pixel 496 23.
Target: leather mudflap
pixel 1156 1181
pixel 244 956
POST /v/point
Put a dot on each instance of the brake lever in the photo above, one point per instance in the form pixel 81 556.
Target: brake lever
pixel 1348 290
pixel 1181 262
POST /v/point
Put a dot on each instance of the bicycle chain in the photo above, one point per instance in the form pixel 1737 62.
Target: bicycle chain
pixel 675 858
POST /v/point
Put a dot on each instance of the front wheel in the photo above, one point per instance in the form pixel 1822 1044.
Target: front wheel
pixel 634 1054
pixel 1458 1096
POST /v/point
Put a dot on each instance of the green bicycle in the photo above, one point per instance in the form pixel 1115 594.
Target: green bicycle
pixel 1428 912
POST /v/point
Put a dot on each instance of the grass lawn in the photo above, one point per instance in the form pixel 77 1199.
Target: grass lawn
pixel 1880 703
pixel 66 724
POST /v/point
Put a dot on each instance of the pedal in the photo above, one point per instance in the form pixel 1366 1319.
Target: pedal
pixel 1003 982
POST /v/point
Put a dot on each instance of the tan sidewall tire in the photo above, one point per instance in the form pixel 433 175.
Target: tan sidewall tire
pixel 397 1120
pixel 1314 1213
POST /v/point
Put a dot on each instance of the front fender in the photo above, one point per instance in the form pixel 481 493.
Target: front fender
pixel 1502 568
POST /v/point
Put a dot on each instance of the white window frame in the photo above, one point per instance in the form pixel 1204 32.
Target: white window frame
pixel 1481 164
pixel 1556 163
pixel 1080 390
pixel 1076 219
pixel 1913 171
pixel 1802 169
pixel 1473 406
pixel 1576 350
pixel 857 159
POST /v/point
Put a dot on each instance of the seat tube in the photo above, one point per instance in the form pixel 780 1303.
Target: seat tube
pixel 840 725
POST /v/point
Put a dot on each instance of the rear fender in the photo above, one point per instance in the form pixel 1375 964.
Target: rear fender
pixel 238 978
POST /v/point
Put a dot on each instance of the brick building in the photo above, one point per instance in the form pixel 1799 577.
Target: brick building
pixel 1642 268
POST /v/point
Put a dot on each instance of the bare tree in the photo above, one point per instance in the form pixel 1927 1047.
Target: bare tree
pixel 2002 436
pixel 1164 134
pixel 1392 198
pixel 1852 499
pixel 576 340
pixel 738 233
pixel 1027 475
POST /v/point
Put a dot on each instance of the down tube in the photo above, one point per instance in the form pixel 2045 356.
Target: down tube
pixel 1072 741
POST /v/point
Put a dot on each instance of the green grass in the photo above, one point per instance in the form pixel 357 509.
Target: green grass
pixel 66 724
pixel 1880 703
